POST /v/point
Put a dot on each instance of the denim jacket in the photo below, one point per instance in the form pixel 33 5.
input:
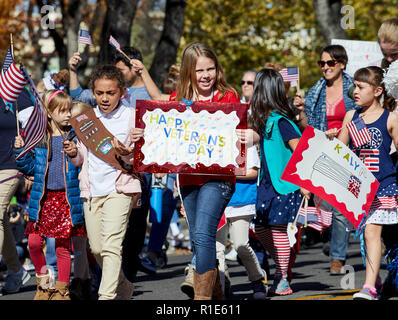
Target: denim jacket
pixel 315 102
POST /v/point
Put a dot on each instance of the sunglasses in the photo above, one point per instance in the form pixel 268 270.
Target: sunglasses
pixel 250 83
pixel 330 63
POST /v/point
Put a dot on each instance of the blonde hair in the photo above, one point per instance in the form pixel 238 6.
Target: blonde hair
pixel 60 101
pixel 388 31
pixel 186 87
pixel 79 107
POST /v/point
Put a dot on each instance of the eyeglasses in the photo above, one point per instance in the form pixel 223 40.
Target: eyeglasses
pixel 250 83
pixel 330 63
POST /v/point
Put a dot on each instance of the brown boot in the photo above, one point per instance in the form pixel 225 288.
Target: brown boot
pixel 44 287
pixel 336 267
pixel 61 291
pixel 217 289
pixel 207 286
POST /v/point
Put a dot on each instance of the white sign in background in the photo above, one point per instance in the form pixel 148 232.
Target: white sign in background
pixel 360 54
pixel 189 137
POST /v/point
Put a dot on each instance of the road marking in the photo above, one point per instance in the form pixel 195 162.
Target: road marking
pixel 340 295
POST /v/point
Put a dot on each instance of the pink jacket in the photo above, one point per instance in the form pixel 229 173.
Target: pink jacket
pixel 125 183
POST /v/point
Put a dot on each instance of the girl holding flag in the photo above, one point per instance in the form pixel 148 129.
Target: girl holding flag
pixel 55 206
pixel 380 126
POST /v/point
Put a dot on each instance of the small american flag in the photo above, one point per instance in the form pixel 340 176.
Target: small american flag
pixel 84 37
pixel 114 43
pixel 290 74
pixel 11 80
pixel 35 128
pixel 359 132
pixel 317 218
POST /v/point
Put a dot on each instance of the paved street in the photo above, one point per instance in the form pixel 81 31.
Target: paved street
pixel 311 278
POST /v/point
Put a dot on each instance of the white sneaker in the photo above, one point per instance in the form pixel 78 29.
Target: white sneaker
pixel 232 255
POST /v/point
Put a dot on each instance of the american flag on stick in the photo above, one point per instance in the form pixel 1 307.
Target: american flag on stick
pixel 11 79
pixel 84 37
pixel 290 74
pixel 359 132
pixel 114 43
pixel 35 128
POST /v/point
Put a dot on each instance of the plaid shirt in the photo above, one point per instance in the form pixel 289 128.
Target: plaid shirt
pixel 315 102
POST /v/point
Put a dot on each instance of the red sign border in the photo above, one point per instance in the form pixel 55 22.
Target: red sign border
pixel 142 106
pixel 290 175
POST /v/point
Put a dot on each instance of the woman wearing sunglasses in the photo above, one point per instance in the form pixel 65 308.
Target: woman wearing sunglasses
pixel 324 108
pixel 247 84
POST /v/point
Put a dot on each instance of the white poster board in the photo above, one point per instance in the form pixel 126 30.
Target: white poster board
pixel 360 54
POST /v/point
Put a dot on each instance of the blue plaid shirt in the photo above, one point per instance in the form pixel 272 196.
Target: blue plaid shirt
pixel 315 102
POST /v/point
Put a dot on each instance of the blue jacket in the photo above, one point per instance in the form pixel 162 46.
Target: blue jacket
pixel 277 153
pixel 35 163
pixel 315 102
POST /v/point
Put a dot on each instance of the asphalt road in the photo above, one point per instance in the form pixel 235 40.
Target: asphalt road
pixel 311 278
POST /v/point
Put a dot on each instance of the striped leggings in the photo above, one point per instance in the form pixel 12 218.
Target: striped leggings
pixel 275 240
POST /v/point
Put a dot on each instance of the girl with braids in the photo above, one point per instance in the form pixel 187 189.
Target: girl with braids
pixel 382 123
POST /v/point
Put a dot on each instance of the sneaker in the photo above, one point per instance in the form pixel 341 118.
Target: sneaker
pixel 14 280
pixel 367 293
pixel 148 266
pixel 281 287
pixel 187 285
pixel 259 290
pixel 232 255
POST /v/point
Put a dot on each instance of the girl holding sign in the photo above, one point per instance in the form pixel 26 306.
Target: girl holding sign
pixel 204 196
pixel 277 200
pixel 382 126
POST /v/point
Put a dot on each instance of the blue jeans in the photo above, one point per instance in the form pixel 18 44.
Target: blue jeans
pixel 51 257
pixel 339 236
pixel 159 230
pixel 204 206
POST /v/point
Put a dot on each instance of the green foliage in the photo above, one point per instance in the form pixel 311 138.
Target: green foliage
pixel 246 34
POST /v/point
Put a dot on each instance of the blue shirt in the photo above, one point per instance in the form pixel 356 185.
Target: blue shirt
pixel 8 128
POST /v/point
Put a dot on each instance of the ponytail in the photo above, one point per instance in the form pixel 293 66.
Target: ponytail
pixel 389 103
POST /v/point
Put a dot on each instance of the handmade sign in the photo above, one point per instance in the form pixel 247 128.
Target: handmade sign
pixel 360 54
pixel 330 170
pixel 199 139
pixel 97 138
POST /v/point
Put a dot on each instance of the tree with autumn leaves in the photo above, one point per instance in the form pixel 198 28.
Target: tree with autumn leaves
pixel 246 34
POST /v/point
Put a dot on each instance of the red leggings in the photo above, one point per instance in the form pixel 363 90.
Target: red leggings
pixel 62 251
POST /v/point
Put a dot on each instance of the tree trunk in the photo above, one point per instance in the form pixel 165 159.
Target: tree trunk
pixel 328 16
pixel 118 22
pixel 71 18
pixel 166 50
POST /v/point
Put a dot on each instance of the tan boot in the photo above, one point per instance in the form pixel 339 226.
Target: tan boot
pixel 207 286
pixel 44 287
pixel 61 291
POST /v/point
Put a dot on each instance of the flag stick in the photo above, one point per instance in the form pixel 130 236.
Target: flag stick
pixel 298 81
pixel 128 58
pixel 16 101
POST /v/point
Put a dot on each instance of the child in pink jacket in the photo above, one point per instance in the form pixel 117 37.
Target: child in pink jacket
pixel 108 193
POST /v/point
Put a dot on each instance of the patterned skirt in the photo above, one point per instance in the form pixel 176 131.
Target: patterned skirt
pixel 54 218
pixel 384 208
pixel 281 209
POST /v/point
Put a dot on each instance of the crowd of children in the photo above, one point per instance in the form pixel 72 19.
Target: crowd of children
pixel 97 211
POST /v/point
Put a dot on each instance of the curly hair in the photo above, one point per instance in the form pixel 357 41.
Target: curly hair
pixel 107 71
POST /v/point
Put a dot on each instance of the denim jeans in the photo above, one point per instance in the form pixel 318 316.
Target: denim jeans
pixel 204 206
pixel 339 236
pixel 159 231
